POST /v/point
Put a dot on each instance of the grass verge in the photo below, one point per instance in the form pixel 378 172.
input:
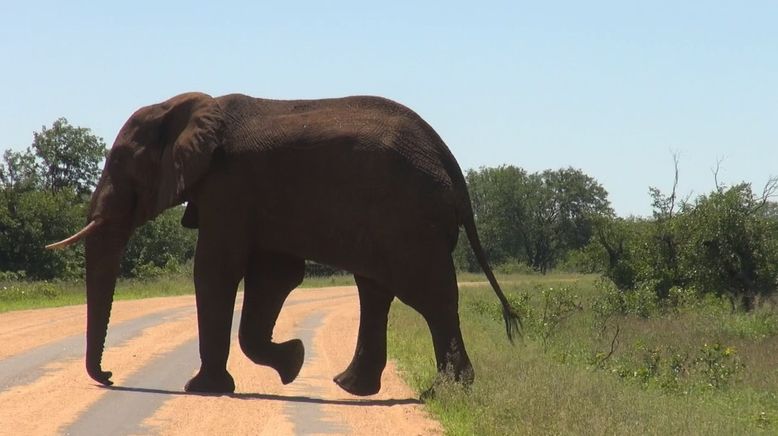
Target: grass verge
pixel 19 295
pixel 699 369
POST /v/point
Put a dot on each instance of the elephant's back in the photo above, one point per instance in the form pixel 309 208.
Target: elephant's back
pixel 361 128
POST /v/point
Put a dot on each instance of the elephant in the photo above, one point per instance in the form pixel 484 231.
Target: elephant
pixel 360 183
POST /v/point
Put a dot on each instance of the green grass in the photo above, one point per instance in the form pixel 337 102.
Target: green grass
pixel 323 282
pixel 530 279
pixel 18 295
pixel 35 295
pixel 700 369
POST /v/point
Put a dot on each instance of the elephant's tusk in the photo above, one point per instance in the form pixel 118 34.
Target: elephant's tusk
pixel 91 227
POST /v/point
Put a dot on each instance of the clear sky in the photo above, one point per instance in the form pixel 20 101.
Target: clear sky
pixel 613 88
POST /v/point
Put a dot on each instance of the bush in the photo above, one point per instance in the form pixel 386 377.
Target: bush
pixel 315 269
pixel 710 366
pixel 718 364
pixel 642 302
pixel 730 249
pixel 11 276
pixel 513 267
pixel 30 220
pixel 721 244
pixel 159 246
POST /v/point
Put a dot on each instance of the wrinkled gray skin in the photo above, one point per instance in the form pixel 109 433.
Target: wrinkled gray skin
pixel 361 183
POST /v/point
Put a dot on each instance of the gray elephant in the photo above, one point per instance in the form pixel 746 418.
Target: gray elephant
pixel 360 183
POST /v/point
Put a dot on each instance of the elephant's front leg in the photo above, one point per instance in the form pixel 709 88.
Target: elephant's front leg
pixel 363 375
pixel 218 269
pixel 269 280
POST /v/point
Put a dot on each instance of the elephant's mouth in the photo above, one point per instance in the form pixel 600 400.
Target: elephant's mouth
pixel 81 234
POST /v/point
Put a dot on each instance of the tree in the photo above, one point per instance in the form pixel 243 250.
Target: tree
pixel 28 221
pixel 618 247
pixel 60 157
pixel 723 243
pixel 533 218
pixel 68 156
pixel 730 248
pixel 18 172
pixel 562 207
pixel 43 199
pixel 499 199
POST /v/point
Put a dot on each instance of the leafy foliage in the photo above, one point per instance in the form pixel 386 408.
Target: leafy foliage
pixel 536 218
pixel 562 213
pixel 499 198
pixel 44 192
pixel 31 219
pixel 60 157
pixel 729 248
pixel 159 246
pixel 721 243
pixel 42 199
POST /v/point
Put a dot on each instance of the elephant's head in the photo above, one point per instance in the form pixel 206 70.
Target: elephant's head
pixel 160 153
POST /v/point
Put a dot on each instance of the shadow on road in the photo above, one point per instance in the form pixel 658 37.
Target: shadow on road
pixel 272 397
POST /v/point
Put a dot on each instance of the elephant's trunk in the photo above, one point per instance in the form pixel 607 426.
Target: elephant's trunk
pixel 104 249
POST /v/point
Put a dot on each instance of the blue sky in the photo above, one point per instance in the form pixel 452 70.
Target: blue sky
pixel 613 88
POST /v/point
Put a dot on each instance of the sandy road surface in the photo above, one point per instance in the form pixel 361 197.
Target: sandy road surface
pixel 152 351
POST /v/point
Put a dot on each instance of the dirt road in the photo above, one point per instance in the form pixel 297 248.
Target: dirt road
pixel 152 351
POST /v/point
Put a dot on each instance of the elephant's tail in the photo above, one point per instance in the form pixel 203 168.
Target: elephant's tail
pixel 466 219
pixel 512 319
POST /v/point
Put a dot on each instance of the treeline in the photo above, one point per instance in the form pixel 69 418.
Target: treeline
pixel 532 219
pixel 722 243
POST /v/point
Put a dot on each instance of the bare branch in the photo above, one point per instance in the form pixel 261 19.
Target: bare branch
pixel 688 197
pixel 675 185
pixel 614 343
pixel 769 191
pixel 715 172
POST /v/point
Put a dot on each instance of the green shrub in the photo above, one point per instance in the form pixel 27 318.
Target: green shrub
pixel 720 244
pixel 158 247
pixel 12 276
pixel 513 267
pixel 642 302
pixel 718 364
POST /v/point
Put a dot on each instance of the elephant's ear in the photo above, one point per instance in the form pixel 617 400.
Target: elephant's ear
pixel 189 132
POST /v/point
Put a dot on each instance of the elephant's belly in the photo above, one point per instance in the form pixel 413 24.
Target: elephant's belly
pixel 353 210
pixel 358 236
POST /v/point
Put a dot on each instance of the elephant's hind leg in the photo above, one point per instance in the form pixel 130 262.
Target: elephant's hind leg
pixel 363 375
pixel 269 280
pixel 437 299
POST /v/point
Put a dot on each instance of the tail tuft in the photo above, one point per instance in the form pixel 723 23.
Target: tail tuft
pixel 466 218
pixel 509 314
pixel 512 322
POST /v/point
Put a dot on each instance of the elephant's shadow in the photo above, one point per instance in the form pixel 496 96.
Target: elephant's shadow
pixel 272 397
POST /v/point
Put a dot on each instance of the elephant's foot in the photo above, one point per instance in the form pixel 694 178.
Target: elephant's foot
pixel 286 358
pixel 208 382
pixel 360 383
pixel 291 355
